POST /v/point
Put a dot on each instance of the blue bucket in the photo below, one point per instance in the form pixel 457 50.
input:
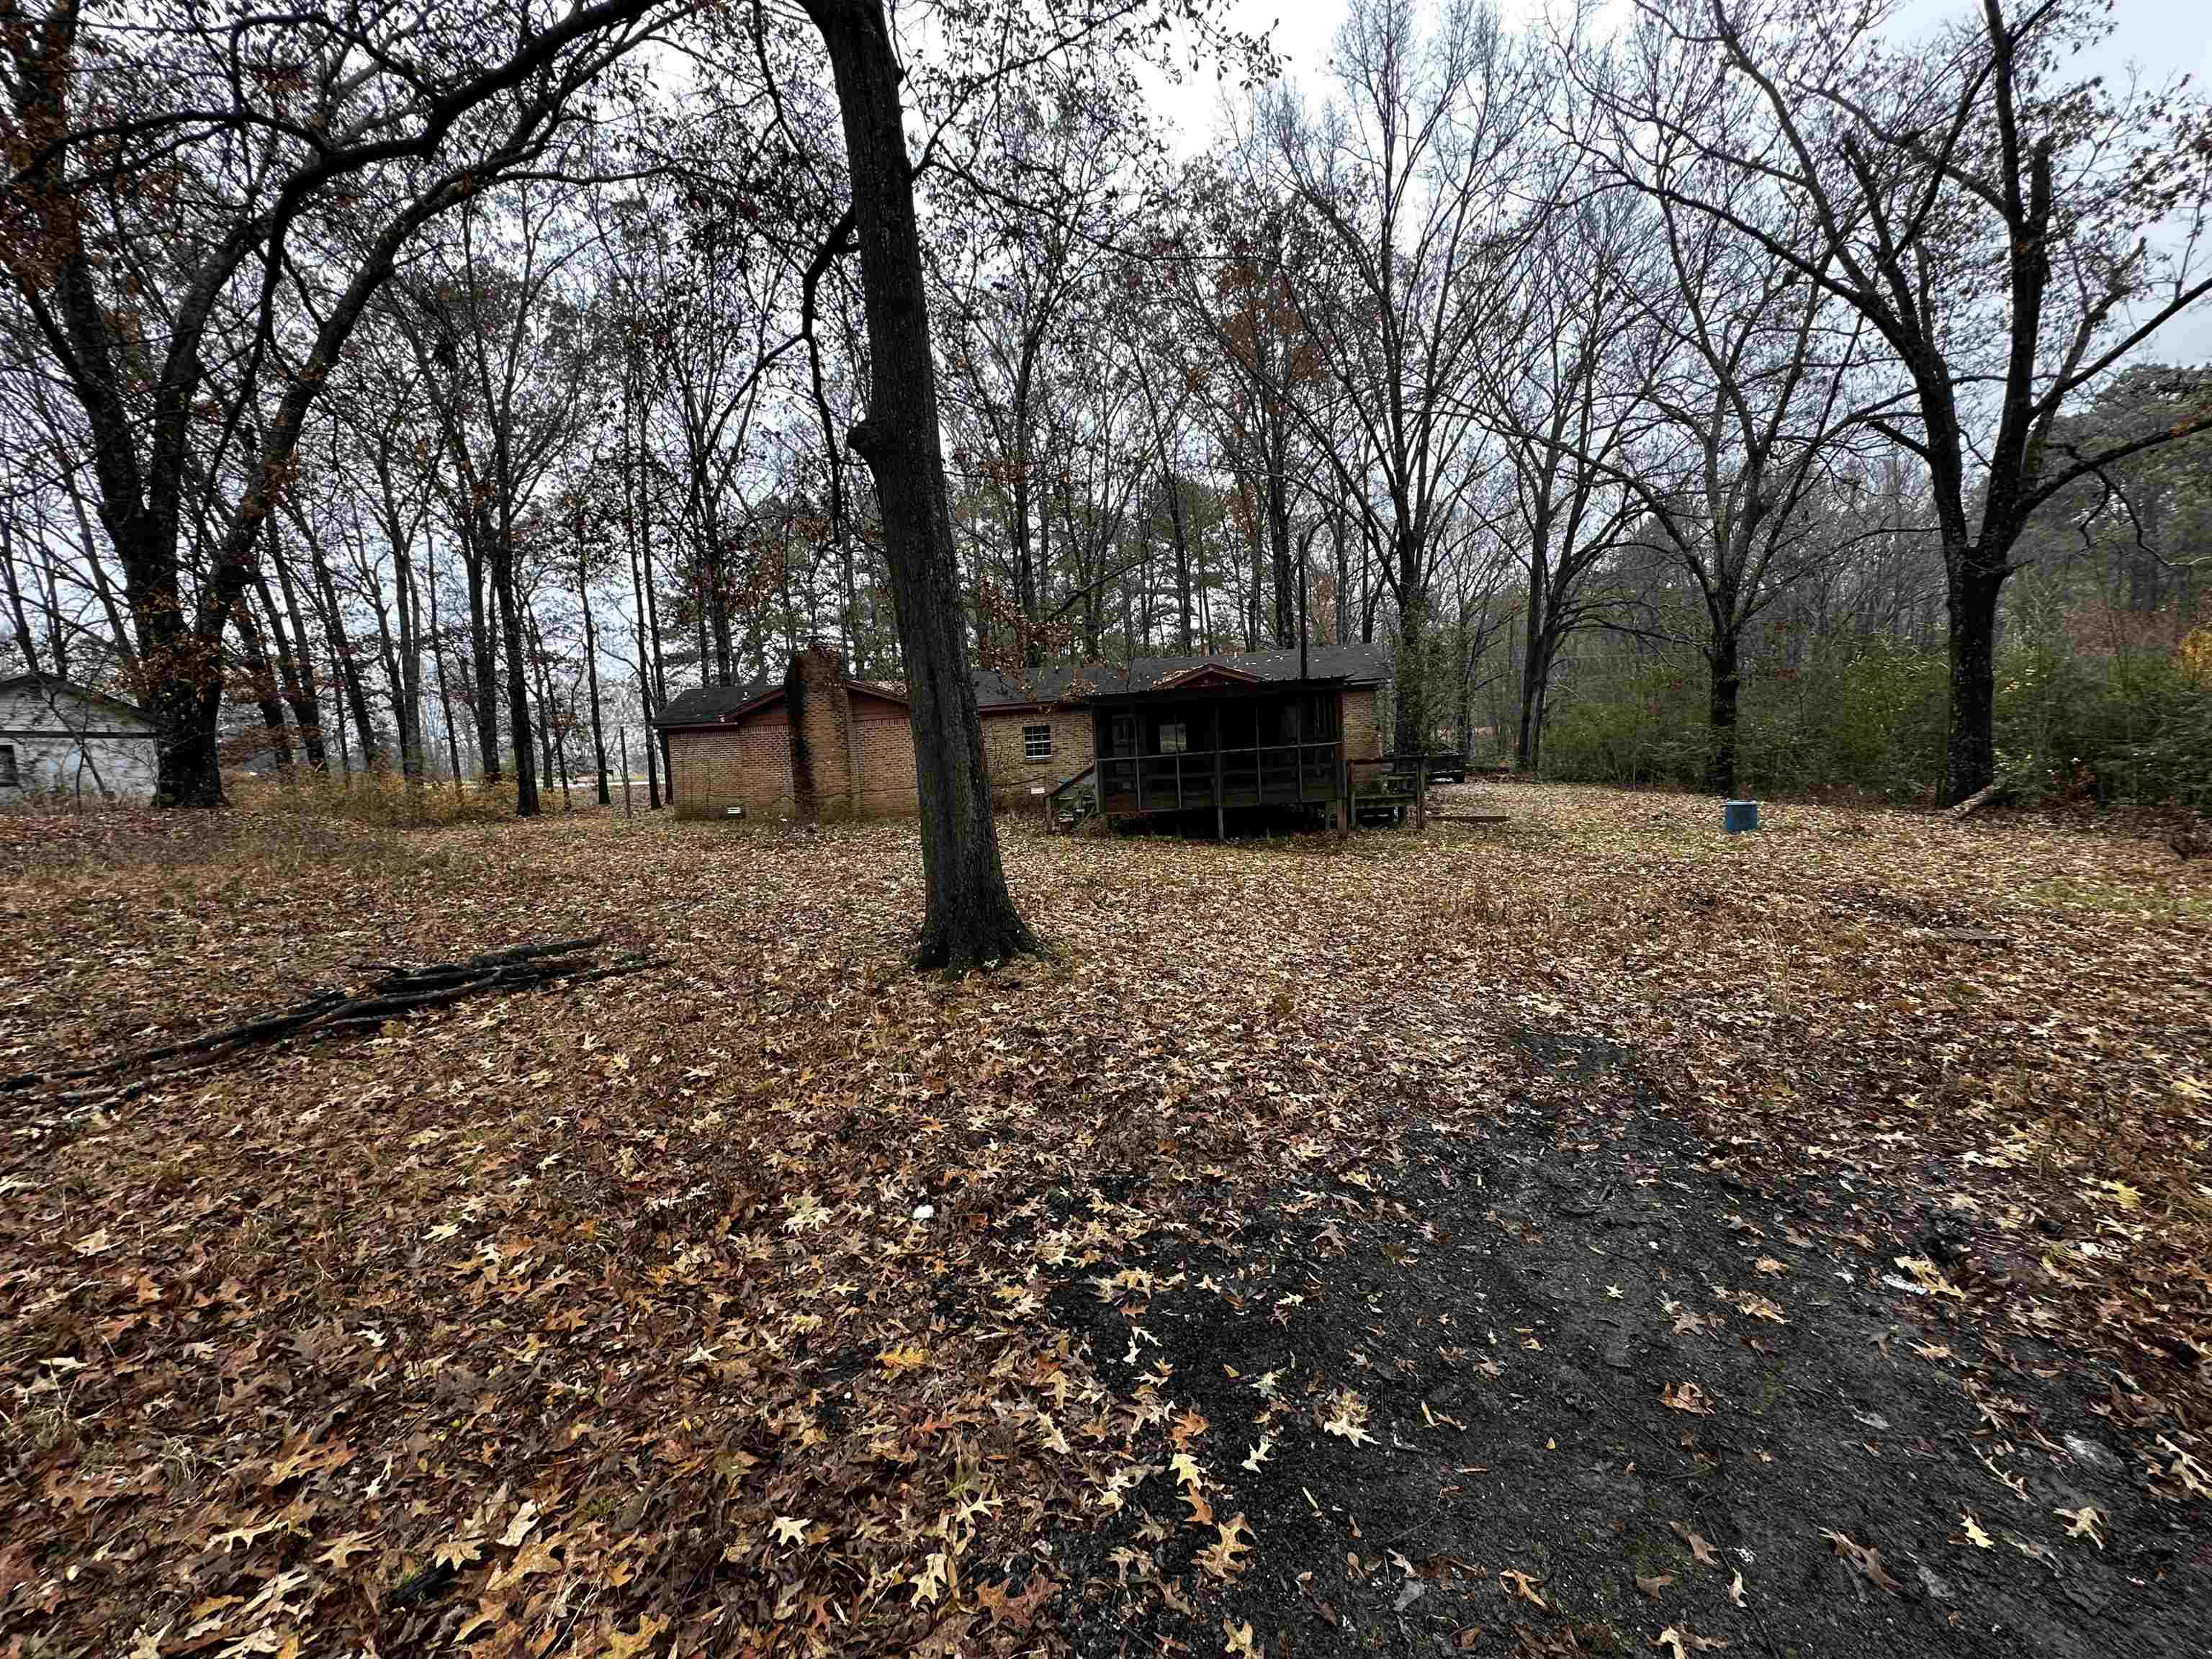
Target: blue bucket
pixel 1739 815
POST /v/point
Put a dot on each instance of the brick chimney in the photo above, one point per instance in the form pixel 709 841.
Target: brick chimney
pixel 819 711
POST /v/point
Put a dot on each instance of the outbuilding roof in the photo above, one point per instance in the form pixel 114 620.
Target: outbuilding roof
pixel 53 686
pixel 1065 683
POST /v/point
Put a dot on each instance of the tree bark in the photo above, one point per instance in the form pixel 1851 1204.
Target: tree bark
pixel 294 665
pixel 1725 661
pixel 1970 759
pixel 264 687
pixel 483 666
pixel 970 916
pixel 518 685
pixel 592 677
pixel 438 655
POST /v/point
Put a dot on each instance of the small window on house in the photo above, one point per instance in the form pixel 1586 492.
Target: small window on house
pixel 1037 743
pixel 1173 737
pixel 1125 734
pixel 8 780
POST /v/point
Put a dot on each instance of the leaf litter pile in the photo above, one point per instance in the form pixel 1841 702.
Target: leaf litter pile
pixel 1592 1234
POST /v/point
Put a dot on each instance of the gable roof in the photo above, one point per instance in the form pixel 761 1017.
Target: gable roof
pixel 53 686
pixel 1064 682
pixel 1354 664
pixel 716 705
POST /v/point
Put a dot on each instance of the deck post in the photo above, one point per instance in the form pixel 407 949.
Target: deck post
pixel 1220 807
pixel 1420 792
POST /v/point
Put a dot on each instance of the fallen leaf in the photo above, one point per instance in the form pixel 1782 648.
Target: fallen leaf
pixel 630 1644
pixel 1698 1546
pixel 1235 1539
pixel 518 1529
pixel 342 1550
pixel 1517 1582
pixel 1867 1560
pixel 790 1529
pixel 1349 1421
pixel 1685 1397
pixel 1683 1641
pixel 2086 1520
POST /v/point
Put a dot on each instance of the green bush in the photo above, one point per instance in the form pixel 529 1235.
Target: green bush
pixel 1870 722
pixel 2133 725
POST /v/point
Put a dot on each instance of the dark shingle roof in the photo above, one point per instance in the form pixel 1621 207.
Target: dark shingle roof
pixel 1068 682
pixel 702 705
pixel 1361 665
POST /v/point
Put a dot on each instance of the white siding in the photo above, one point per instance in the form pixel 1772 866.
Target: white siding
pixel 68 748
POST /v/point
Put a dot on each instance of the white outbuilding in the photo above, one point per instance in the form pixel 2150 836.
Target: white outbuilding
pixel 61 744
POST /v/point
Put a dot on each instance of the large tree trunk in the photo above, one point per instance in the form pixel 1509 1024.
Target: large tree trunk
pixel 1535 666
pixel 1279 550
pixel 644 686
pixel 1969 760
pixel 1411 714
pixel 517 685
pixel 1724 659
pixel 970 917
pixel 482 658
pixel 591 674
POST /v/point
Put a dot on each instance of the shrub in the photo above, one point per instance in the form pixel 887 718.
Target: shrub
pixel 2132 723
pixel 383 800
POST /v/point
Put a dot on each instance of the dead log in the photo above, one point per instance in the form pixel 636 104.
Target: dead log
pixel 1995 795
pixel 400 990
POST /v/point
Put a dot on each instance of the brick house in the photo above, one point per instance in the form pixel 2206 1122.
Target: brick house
pixel 731 746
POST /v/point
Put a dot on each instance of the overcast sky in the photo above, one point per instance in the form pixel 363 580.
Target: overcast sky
pixel 2159 37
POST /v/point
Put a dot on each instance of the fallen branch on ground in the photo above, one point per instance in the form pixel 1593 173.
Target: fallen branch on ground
pixel 1995 793
pixel 400 990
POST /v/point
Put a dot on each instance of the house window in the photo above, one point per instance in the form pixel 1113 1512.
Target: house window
pixel 1124 740
pixel 8 779
pixel 1037 743
pixel 1175 737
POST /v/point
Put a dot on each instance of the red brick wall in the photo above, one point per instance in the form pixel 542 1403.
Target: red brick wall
pixel 1005 755
pixel 748 763
pixel 883 747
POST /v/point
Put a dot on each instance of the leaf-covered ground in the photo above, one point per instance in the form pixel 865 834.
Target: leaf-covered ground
pixel 1584 1235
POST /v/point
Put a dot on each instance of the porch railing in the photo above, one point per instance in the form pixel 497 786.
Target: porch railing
pixel 1267 774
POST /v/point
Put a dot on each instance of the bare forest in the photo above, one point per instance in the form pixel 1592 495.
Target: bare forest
pixel 1710 399
pixel 1707 1152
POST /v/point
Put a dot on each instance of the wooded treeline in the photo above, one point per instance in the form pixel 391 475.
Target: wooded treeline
pixel 439 401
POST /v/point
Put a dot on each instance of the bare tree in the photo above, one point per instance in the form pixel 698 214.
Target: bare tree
pixel 1411 177
pixel 1985 211
pixel 211 178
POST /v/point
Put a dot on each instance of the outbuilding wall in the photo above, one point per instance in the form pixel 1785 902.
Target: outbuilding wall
pixel 69 751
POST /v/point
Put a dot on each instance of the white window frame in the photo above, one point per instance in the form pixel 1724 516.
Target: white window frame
pixel 1031 736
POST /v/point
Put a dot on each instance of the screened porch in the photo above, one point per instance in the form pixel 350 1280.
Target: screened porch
pixel 1219 747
